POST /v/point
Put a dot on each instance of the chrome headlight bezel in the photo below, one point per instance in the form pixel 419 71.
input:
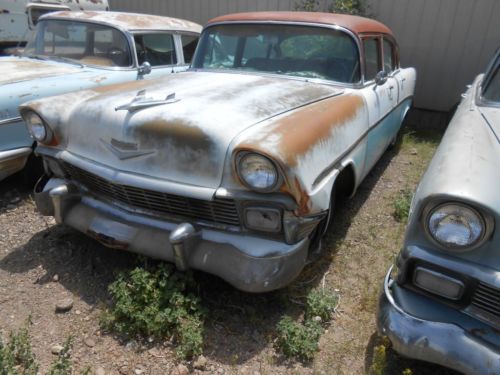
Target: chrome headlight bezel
pixel 240 158
pixel 32 120
pixel 486 221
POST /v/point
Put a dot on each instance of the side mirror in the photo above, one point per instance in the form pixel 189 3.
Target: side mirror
pixel 381 78
pixel 144 69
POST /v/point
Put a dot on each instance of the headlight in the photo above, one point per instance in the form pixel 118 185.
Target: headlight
pixel 37 127
pixel 456 226
pixel 257 171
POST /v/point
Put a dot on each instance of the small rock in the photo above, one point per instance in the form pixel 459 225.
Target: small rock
pixel 413 151
pixel 132 345
pixel 138 371
pixel 55 278
pixel 220 371
pixel 123 370
pixel 180 370
pixel 200 363
pixel 317 319
pixel 56 349
pixel 89 342
pixel 100 371
pixel 64 305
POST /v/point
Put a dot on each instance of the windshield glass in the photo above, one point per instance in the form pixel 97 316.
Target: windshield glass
pixel 85 43
pixel 302 51
pixel 492 91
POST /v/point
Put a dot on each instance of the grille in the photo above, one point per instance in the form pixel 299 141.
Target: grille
pixel 221 211
pixel 487 298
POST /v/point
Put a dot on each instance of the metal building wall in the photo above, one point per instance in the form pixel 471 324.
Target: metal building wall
pixel 448 41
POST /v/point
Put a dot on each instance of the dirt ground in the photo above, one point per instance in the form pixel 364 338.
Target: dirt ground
pixel 42 263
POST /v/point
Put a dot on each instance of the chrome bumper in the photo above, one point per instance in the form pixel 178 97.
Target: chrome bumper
pixel 249 263
pixel 437 342
pixel 13 161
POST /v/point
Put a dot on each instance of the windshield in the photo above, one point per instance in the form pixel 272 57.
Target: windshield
pixel 492 90
pixel 85 43
pixel 302 51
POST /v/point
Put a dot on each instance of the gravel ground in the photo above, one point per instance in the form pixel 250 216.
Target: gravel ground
pixel 43 264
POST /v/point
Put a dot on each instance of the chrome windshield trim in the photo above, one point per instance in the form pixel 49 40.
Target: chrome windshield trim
pixel 10 120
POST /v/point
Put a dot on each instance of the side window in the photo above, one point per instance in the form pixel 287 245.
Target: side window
pixel 389 62
pixel 189 43
pixel 157 49
pixel 372 58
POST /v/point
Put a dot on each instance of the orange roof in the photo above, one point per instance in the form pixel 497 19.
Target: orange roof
pixel 354 23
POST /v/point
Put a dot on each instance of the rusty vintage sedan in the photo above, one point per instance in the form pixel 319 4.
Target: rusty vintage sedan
pixel 442 303
pixel 232 167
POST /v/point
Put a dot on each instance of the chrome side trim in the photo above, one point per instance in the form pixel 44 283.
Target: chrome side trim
pixel 11 120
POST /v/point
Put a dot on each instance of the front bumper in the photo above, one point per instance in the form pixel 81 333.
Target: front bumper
pixel 442 343
pixel 249 263
pixel 12 161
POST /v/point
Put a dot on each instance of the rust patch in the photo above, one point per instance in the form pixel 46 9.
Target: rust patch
pixel 305 128
pixel 302 199
pixel 178 133
pixel 121 87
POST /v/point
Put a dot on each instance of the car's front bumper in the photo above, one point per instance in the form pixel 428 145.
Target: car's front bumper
pixel 12 161
pixel 442 343
pixel 249 263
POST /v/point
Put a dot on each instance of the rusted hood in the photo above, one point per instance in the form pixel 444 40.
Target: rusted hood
pixel 185 141
pixel 18 69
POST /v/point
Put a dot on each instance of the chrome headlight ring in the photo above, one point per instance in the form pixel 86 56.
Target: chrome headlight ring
pixel 257 172
pixel 37 127
pixel 456 226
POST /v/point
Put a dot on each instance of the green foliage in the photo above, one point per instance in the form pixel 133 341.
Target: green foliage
pixel 63 364
pixel 157 303
pixel 298 340
pixel 379 363
pixel 402 205
pixel 321 303
pixel 407 371
pixel 355 7
pixel 16 356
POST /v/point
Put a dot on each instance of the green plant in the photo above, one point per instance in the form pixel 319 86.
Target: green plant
pixel 320 303
pixel 16 356
pixel 402 205
pixel 157 303
pixel 407 371
pixel 298 340
pixel 355 7
pixel 379 363
pixel 63 364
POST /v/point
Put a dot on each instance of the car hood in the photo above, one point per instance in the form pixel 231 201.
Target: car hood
pixel 185 141
pixel 18 69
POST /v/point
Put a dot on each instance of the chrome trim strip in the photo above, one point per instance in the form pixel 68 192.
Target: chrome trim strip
pixel 10 120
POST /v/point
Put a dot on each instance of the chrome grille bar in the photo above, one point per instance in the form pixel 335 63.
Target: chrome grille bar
pixel 221 211
pixel 487 298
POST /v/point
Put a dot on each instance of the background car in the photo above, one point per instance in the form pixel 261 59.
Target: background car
pixel 442 302
pixel 233 167
pixel 77 50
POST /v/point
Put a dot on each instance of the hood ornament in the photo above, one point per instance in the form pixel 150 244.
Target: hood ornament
pixel 125 150
pixel 141 102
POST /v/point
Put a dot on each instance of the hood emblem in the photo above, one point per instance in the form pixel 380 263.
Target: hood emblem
pixel 125 150
pixel 141 102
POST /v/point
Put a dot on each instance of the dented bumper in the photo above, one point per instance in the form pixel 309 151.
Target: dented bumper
pixel 442 343
pixel 249 263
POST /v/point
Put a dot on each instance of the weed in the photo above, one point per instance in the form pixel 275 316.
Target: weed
pixel 379 363
pixel 298 340
pixel 63 364
pixel 157 303
pixel 402 205
pixel 407 371
pixel 356 7
pixel 16 357
pixel 320 303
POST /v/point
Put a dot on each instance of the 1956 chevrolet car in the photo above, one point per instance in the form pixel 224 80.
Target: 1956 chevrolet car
pixel 231 167
pixel 442 304
pixel 77 50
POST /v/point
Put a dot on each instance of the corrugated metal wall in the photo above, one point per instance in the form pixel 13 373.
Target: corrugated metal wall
pixel 448 41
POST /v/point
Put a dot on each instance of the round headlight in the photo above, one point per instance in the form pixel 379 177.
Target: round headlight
pixel 456 226
pixel 257 171
pixel 36 126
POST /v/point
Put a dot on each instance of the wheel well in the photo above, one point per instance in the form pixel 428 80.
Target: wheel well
pixel 345 182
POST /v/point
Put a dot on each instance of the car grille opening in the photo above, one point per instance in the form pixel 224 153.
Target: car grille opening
pixel 487 299
pixel 221 211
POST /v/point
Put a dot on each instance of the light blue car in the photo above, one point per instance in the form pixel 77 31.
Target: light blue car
pixel 72 51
